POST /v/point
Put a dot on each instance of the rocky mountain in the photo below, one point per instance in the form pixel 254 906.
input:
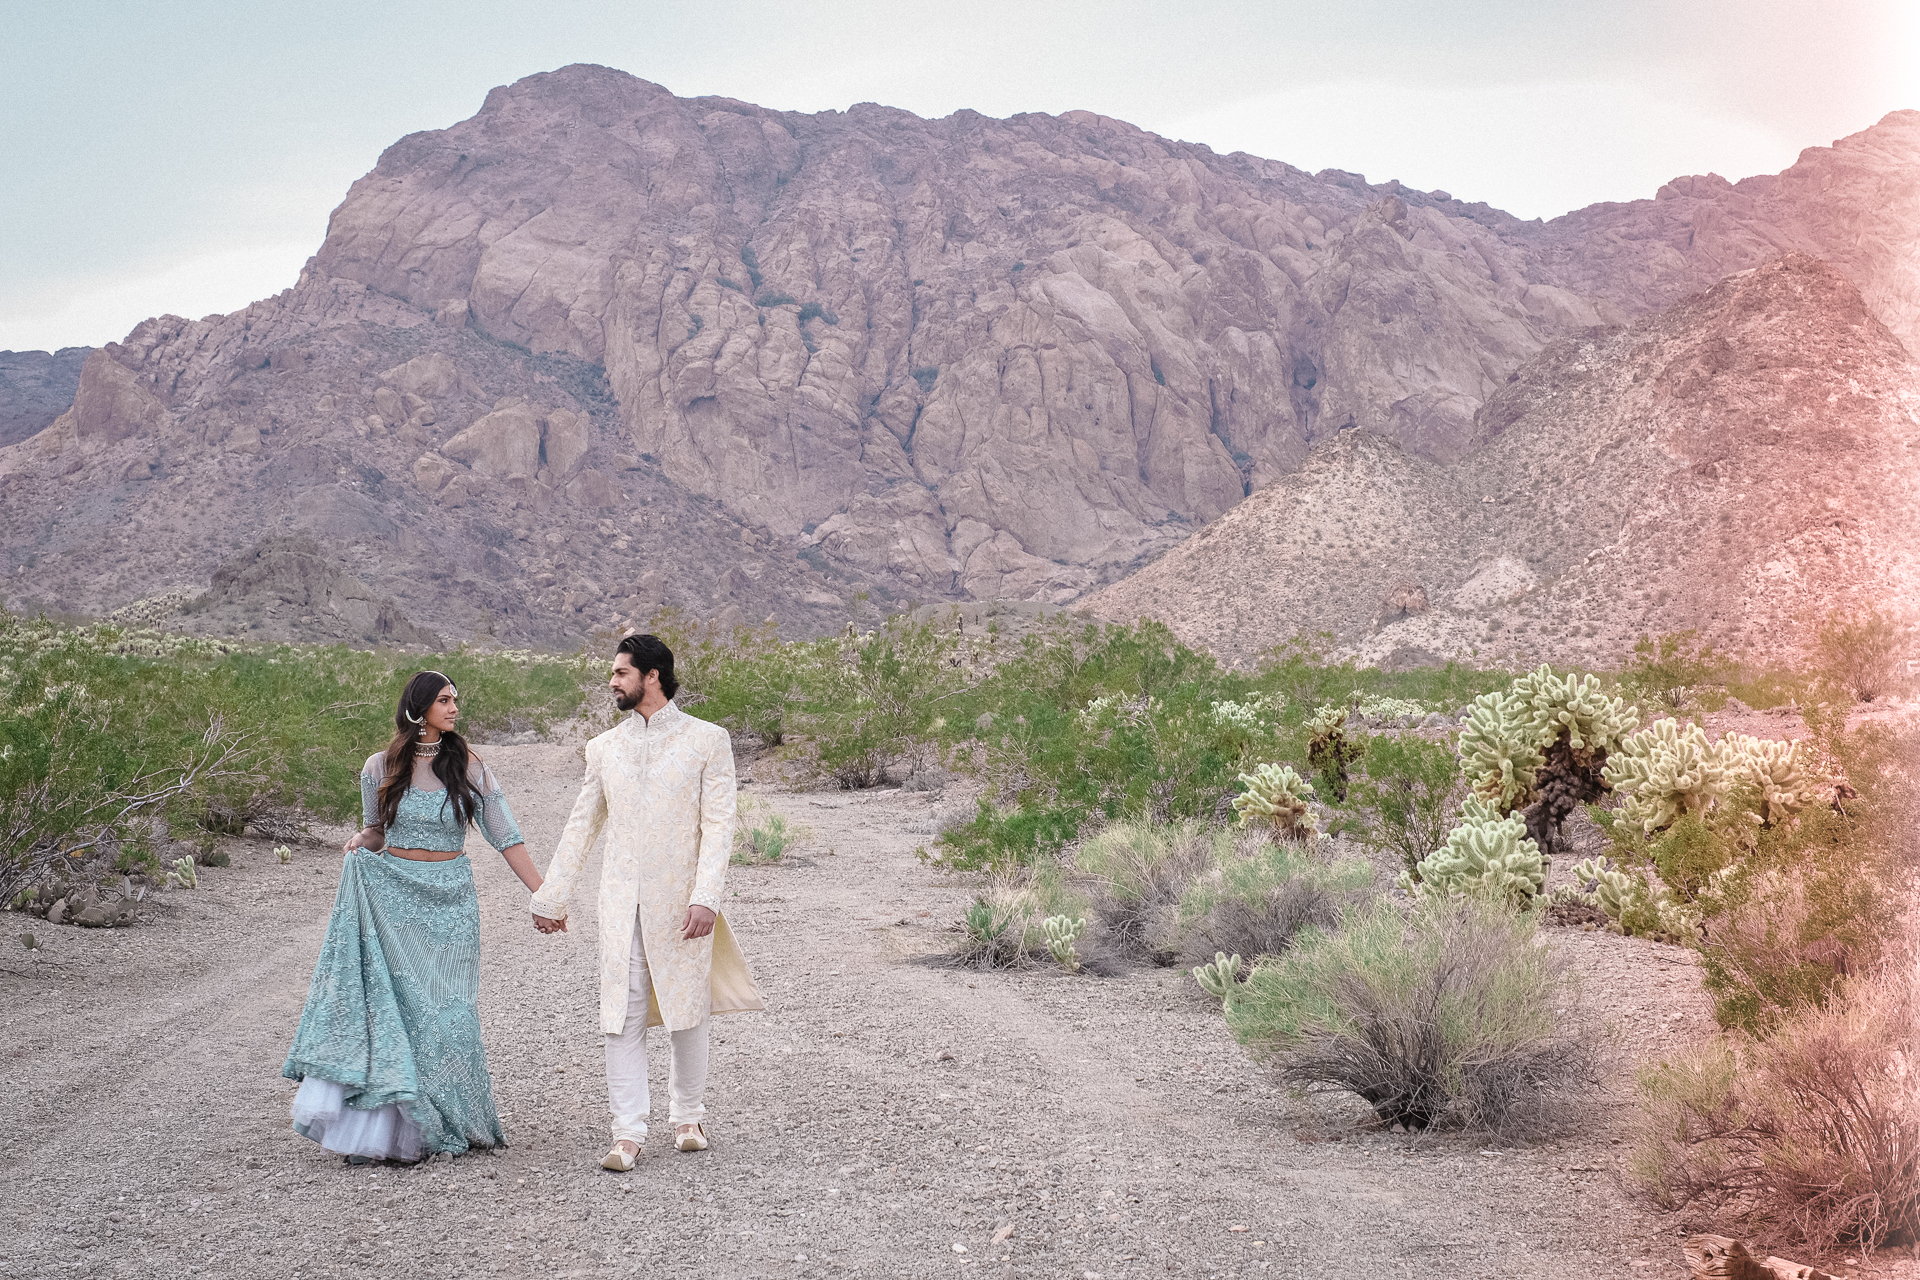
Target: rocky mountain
pixel 1740 463
pixel 35 388
pixel 599 332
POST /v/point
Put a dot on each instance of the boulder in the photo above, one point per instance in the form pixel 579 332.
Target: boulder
pixel 567 438
pixel 389 405
pixel 431 377
pixel 431 472
pixel 505 444
pixel 595 489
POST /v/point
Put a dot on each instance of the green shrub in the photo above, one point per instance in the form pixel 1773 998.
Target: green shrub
pixel 1668 668
pixel 107 731
pixel 1864 653
pixel 1140 875
pixel 1329 752
pixel 1005 927
pixel 1811 1132
pixel 775 300
pixel 1451 1017
pixel 1409 792
pixel 1260 895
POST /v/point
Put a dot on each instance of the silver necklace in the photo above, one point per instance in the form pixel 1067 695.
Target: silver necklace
pixel 426 750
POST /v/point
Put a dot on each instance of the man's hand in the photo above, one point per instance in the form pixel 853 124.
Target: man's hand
pixel 545 925
pixel 699 922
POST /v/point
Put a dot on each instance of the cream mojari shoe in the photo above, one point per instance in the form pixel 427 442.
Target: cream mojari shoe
pixel 690 1137
pixel 618 1159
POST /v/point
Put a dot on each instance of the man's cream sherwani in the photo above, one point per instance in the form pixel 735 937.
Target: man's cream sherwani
pixel 663 791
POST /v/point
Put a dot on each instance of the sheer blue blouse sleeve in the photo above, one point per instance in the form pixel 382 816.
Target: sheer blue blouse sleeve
pixel 371 775
pixel 495 818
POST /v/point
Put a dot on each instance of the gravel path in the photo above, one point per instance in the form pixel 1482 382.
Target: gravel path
pixel 888 1117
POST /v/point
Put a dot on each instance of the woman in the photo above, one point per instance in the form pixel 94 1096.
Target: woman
pixel 389 1044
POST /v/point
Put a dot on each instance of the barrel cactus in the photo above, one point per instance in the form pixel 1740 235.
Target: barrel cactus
pixel 1276 793
pixel 1665 771
pixel 1487 854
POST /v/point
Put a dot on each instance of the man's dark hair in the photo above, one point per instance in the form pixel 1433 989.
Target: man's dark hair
pixel 650 653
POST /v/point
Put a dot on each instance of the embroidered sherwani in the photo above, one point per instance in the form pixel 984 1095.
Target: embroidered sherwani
pixel 663 792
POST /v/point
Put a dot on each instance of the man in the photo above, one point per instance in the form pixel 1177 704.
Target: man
pixel 661 784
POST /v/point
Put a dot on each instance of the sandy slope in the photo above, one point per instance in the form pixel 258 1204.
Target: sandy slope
pixel 1112 1122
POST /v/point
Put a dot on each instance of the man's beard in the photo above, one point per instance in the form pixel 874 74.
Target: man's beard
pixel 625 701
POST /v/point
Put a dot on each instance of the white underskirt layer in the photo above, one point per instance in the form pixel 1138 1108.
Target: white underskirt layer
pixel 384 1133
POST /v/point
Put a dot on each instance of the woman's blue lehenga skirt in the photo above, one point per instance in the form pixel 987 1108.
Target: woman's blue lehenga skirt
pixel 388 1049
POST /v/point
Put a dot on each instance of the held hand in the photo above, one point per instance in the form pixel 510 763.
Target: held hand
pixel 545 925
pixel 699 922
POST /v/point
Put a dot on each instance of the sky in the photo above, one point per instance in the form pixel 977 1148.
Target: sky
pixel 184 158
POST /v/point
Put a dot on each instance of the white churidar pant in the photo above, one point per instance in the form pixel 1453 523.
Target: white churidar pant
pixel 627 1095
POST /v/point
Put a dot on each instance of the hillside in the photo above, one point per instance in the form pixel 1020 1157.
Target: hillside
pixel 1740 463
pixel 599 349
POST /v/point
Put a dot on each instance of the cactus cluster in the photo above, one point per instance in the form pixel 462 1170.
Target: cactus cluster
pixel 1062 932
pixel 1276 793
pixel 1633 907
pixel 1541 746
pixel 181 874
pixel 1776 770
pixel 1668 770
pixel 1221 978
pixel 1328 750
pixel 1488 855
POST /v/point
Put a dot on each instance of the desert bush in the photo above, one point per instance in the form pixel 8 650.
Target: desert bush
pixel 1863 652
pixel 1667 668
pixel 876 700
pixel 760 835
pixel 1138 877
pixel 1449 1017
pixel 1813 1131
pixel 1005 927
pixel 105 731
pixel 1260 894
pixel 1408 792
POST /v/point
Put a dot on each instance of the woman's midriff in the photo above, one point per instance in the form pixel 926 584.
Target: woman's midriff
pixel 426 855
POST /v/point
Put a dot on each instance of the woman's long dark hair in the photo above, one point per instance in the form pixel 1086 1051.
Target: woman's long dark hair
pixel 450 765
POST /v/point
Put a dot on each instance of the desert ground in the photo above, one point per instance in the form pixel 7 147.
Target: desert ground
pixel 888 1116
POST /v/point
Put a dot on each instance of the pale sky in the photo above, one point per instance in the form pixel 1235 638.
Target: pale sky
pixel 184 157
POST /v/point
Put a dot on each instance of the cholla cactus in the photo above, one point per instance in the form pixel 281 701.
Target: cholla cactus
pixel 1278 794
pixel 1573 707
pixel 1498 755
pixel 283 853
pixel 1219 979
pixel 1615 890
pixel 181 874
pixel 1666 771
pixel 1773 768
pixel 1062 933
pixel 1328 751
pixel 1486 854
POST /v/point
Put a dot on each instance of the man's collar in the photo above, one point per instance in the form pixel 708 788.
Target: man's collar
pixel 660 719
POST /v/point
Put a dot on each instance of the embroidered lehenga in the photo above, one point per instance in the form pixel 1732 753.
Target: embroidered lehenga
pixel 388 1051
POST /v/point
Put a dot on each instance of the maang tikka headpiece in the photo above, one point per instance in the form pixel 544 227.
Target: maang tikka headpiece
pixel 414 719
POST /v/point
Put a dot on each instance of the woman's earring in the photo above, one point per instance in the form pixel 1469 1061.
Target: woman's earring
pixel 410 716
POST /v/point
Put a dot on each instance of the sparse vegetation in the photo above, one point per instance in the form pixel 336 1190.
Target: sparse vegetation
pixel 1449 1017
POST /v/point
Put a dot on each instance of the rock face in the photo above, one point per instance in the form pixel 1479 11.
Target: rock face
pixel 1740 463
pixel 35 388
pixel 789 358
pixel 312 592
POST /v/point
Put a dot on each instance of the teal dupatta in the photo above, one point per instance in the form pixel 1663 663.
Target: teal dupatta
pixel 392 1014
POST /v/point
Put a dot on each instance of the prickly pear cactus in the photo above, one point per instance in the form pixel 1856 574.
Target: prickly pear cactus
pixel 1775 769
pixel 1219 978
pixel 1498 756
pixel 1062 932
pixel 1666 771
pixel 1276 793
pixel 1486 854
